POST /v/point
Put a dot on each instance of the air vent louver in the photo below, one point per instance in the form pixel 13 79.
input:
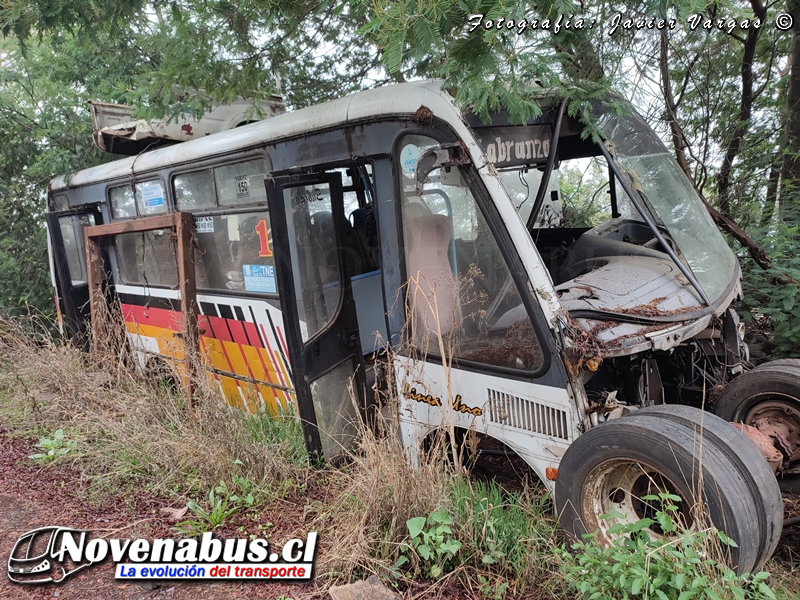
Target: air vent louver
pixel 513 411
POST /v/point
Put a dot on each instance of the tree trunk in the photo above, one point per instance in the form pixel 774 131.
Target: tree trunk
pixel 773 182
pixel 790 175
pixel 672 111
pixel 745 111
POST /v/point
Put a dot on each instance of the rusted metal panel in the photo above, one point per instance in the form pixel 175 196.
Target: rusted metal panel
pixel 133 226
pixel 116 131
pixel 188 288
pixel 764 444
pixel 182 225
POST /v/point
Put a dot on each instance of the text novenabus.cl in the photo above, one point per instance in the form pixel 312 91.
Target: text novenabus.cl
pixel 51 554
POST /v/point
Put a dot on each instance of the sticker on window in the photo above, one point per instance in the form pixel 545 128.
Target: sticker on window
pixel 259 278
pixel 204 224
pixel 408 158
pixel 242 186
pixel 152 194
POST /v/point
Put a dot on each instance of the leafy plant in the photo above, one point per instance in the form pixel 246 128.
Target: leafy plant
pixel 223 501
pixel 432 539
pixel 680 566
pixel 55 446
pixel 501 531
pixel 496 590
pixel 772 297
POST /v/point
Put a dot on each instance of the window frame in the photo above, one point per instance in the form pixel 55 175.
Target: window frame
pixel 169 207
pixel 485 205
pixel 213 163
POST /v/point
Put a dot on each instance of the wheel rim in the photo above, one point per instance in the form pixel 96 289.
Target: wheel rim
pixel 618 487
pixel 778 416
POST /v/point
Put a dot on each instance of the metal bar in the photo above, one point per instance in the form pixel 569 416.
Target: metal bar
pixel 94 278
pixel 612 192
pixel 548 168
pixel 651 224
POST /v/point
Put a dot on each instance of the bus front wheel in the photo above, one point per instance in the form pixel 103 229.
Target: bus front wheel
pixel 610 474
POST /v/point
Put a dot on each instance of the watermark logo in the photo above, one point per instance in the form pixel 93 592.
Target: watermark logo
pixel 40 556
pixel 51 554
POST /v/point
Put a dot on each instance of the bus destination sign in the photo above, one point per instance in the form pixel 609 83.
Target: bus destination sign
pixel 515 146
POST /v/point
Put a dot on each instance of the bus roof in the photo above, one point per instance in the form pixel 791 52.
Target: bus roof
pixel 400 99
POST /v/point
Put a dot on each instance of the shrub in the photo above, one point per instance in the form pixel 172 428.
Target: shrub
pixel 681 565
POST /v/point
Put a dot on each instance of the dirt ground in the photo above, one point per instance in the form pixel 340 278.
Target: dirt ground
pixel 32 497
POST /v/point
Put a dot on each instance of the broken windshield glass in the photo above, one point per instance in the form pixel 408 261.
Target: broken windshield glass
pixel 643 155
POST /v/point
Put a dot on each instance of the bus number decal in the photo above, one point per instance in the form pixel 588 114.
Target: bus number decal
pixel 263 237
pixel 242 186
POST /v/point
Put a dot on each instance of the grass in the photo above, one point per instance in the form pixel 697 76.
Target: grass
pixel 127 432
pixel 130 432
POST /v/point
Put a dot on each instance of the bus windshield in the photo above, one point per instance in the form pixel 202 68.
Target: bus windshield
pixel 643 155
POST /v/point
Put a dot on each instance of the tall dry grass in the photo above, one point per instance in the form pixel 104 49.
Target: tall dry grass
pixel 134 430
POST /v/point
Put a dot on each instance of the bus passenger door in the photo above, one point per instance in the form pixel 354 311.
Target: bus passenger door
pixel 318 309
pixel 69 256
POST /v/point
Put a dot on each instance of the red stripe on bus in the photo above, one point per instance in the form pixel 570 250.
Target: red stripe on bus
pixel 237 332
pixel 157 317
pixel 219 327
pixel 252 334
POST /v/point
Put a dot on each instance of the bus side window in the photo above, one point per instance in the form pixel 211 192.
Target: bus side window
pixel 234 252
pixel 195 190
pixel 72 236
pixel 146 199
pixel 123 204
pixel 459 284
pixel 147 258
pixel 150 198
pixel 241 183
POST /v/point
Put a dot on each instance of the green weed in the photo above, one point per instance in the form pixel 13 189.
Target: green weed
pixel 223 501
pixel 680 566
pixel 433 541
pixel 54 447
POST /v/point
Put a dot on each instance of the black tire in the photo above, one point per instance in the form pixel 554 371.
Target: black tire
pixel 610 467
pixel 745 399
pixel 743 454
pixel 781 362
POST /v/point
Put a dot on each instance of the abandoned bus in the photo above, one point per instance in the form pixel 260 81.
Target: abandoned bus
pixel 292 251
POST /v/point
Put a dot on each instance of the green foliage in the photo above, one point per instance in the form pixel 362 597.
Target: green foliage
pixel 433 541
pixel 54 447
pixel 282 430
pixel 502 532
pixel 584 194
pixel 223 501
pixel 499 542
pixel 772 297
pixel 680 566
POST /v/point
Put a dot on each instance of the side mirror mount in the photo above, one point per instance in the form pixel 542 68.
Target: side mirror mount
pixel 441 156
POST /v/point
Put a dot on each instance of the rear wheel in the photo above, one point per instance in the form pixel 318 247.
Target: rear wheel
pixel 613 466
pixel 781 362
pixel 742 453
pixel 768 398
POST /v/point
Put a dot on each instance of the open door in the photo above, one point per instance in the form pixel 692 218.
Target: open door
pixel 66 236
pixel 319 313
